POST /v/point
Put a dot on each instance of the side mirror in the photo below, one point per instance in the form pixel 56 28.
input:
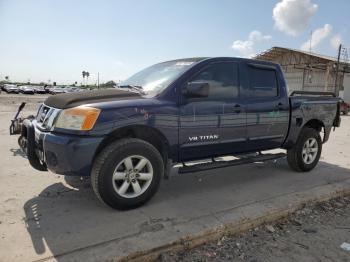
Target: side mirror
pixel 196 90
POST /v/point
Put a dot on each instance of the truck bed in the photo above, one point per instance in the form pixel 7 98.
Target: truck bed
pixel 312 107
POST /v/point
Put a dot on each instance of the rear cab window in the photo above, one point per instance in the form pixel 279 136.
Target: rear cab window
pixel 262 81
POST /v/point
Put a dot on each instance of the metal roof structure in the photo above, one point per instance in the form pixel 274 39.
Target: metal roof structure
pixel 273 53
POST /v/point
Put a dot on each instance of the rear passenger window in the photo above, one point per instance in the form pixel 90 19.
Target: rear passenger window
pixel 263 82
pixel 222 79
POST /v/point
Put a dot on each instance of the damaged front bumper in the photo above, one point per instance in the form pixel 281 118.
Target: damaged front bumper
pixel 64 154
pixel 30 146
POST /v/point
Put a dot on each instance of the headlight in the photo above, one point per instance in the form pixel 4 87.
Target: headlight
pixel 78 118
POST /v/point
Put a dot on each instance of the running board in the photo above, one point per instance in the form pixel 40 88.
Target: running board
pixel 220 164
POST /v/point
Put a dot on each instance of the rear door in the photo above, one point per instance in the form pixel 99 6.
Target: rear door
pixel 267 107
pixel 208 124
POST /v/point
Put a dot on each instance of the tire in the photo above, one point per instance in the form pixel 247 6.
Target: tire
pixel 296 156
pixel 111 165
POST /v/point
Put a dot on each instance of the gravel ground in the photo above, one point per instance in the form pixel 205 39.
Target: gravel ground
pixel 314 233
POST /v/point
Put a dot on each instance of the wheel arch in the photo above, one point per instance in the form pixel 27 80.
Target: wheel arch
pixel 146 133
pixel 316 124
pixel 320 127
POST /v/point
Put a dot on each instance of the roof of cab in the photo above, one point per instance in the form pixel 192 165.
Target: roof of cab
pixel 208 59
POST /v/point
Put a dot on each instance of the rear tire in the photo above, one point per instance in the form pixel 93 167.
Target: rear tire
pixel 127 173
pixel 305 154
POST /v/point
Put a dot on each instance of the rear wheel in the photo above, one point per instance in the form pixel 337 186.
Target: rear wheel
pixel 306 153
pixel 127 173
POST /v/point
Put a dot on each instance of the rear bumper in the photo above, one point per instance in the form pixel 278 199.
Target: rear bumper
pixel 62 154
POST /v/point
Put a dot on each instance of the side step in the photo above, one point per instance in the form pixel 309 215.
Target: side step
pixel 220 164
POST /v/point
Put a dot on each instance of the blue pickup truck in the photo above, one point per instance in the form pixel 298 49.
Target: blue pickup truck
pixel 179 111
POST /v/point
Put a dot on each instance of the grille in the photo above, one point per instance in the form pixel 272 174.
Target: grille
pixel 46 116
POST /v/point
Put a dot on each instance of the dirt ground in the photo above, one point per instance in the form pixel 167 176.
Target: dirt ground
pixel 10 102
pixel 314 233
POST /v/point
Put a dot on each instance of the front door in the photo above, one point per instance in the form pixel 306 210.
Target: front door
pixel 211 126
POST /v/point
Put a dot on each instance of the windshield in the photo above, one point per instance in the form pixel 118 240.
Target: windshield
pixel 156 78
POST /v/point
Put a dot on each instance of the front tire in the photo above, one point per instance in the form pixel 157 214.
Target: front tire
pixel 127 173
pixel 305 154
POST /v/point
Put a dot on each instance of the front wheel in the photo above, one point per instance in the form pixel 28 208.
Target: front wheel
pixel 127 173
pixel 306 153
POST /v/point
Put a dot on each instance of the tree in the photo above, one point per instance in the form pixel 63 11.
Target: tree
pixel 85 74
pixel 108 84
pixel 87 77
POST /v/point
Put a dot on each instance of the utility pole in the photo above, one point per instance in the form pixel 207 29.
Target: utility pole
pixel 336 89
pixel 98 80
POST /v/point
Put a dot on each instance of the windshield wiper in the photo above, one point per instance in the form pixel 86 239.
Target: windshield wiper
pixel 136 88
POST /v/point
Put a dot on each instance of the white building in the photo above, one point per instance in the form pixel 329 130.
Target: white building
pixel 310 71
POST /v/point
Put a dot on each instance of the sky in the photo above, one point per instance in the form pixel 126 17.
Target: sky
pixel 46 40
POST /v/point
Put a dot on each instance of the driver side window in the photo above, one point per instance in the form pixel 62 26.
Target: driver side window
pixel 222 79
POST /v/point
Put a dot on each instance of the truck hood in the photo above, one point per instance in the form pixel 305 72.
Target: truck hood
pixel 69 100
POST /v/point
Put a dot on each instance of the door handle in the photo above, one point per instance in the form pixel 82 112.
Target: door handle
pixel 279 106
pixel 237 109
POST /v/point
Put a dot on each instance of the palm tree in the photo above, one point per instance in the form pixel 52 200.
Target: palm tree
pixel 87 77
pixel 84 74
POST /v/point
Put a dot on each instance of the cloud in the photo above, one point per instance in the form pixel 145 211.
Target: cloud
pixel 243 47
pixel 257 36
pixel 246 47
pixel 336 41
pixel 317 37
pixel 293 16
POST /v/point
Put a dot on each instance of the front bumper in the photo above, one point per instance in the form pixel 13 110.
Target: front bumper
pixel 63 154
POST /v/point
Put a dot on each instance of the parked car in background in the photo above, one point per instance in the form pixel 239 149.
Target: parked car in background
pixel 68 89
pixel 48 88
pixel 72 89
pixel 344 108
pixel 10 88
pixel 57 90
pixel 26 90
pixel 39 90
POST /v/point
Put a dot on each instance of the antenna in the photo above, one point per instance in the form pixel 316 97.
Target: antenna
pixel 336 90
